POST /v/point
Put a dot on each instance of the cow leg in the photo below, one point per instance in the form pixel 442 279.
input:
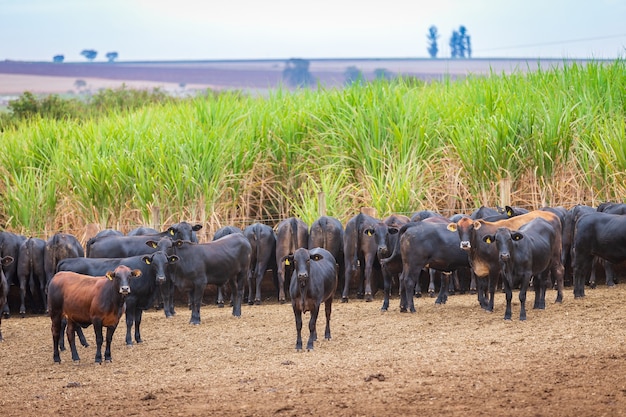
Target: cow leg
pixel 328 306
pixel 167 295
pixel 409 285
pixel 97 328
pixel 509 297
pixel 582 270
pixel 258 280
pixel 298 316
pixel 138 316
pixel 432 274
pixel 369 267
pixel 481 291
pixel 71 340
pixel 130 320
pixel 57 336
pixel 109 339
pixel 473 284
pixel 22 279
pixel 522 296
pixel 236 291
pixel 609 271
pixel 312 327
pixel 443 288
pixel 387 282
pixel 220 297
pixel 540 284
pixel 81 336
pixel 493 282
pixel 196 301
pixel 558 271
pixel 281 282
pixel 349 274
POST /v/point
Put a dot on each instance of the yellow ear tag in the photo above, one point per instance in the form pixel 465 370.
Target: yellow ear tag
pixel 488 240
pixel 172 232
pixel 147 261
pixel 109 277
pixel 287 262
pixel 369 233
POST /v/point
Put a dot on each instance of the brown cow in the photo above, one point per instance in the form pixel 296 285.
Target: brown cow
pixel 86 300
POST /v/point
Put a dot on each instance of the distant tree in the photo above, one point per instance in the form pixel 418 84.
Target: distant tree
pixel 432 37
pixel 90 54
pixel 296 72
pixel 58 58
pixel 111 56
pixel 460 45
pixel 382 74
pixel 353 75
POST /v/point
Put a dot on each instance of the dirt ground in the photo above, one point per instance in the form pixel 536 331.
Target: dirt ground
pixel 454 360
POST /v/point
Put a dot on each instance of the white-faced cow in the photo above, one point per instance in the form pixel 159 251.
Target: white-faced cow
pixel 314 281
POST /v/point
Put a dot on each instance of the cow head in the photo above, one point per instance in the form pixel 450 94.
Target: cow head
pixel 184 231
pixel 465 228
pixel 163 244
pixel 122 276
pixel 301 263
pixel 159 261
pixel 379 233
pixel 504 239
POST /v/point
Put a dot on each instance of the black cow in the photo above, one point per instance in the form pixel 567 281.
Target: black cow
pixel 314 281
pixel 291 234
pixel 484 259
pixel 225 260
pixel 263 257
pixel 125 246
pixel 365 242
pixel 220 233
pixel 10 246
pixel 426 244
pixel 4 286
pixel 86 300
pixel 327 232
pixel 532 251
pixel 143 290
pixel 597 234
pixel 31 272
pixel 58 247
pixel 142 231
pixel 612 208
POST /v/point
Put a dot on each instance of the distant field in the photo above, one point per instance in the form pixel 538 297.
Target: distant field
pixel 258 75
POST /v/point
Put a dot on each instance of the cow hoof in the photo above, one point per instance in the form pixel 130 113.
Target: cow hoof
pixel 220 305
pixel 257 302
pixel 344 299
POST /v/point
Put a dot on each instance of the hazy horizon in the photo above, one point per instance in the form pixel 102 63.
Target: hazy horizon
pixel 193 30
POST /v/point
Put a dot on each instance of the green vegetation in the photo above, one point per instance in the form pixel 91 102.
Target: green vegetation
pixel 557 137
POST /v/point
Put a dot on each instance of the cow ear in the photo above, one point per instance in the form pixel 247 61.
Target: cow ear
pixel 392 230
pixel 172 259
pixel 287 260
pixel 196 227
pixel 517 236
pixel 509 211
pixel 452 227
pixel 152 244
pixel 477 225
pixel 7 260
pixel 317 257
pixel 178 243
pixel 136 273
pixel 171 231
pixel 369 232
pixel 110 275
pixel 488 239
pixel 146 260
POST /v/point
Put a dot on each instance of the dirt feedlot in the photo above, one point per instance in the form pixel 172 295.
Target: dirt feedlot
pixel 567 360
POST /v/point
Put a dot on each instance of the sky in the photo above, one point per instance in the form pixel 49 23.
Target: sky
pixel 151 30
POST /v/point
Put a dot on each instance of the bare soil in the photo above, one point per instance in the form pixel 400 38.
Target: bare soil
pixel 454 360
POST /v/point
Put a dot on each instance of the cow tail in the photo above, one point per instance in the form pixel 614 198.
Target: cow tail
pixel 294 235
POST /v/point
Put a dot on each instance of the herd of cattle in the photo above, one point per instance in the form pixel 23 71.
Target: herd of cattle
pixel 117 273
